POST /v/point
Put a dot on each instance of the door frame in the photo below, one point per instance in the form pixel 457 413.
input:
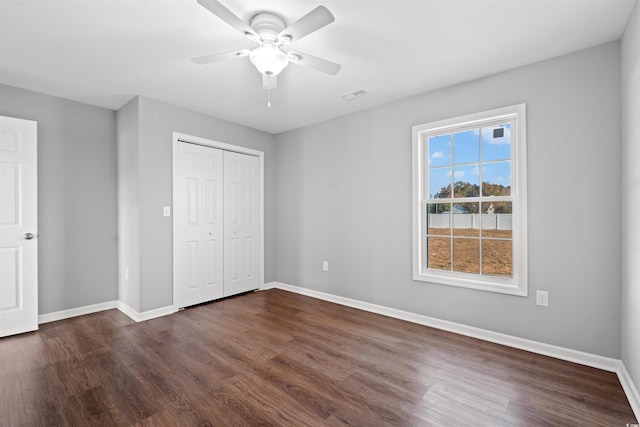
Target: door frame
pixel 177 138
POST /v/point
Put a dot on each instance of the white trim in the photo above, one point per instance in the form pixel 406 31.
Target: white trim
pixel 95 308
pixel 270 285
pixel 145 315
pixel 176 138
pixel 593 360
pixel 630 389
pixel 74 312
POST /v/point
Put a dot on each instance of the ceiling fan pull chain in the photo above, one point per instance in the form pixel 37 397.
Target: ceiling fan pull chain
pixel 269 96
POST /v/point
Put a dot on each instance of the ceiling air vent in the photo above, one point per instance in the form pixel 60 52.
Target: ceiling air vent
pixel 355 94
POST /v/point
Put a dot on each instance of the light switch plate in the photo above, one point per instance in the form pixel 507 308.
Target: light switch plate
pixel 166 210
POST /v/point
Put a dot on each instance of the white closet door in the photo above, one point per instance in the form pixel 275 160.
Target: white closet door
pixel 198 211
pixel 241 222
pixel 212 224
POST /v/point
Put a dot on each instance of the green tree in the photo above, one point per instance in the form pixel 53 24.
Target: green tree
pixel 466 189
pixel 489 189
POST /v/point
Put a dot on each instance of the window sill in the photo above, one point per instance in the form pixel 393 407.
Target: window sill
pixel 481 283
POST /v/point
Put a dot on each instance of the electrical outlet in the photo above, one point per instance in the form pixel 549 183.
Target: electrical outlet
pixel 542 298
pixel 325 265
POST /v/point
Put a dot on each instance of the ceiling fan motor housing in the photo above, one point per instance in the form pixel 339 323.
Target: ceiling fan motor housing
pixel 268 26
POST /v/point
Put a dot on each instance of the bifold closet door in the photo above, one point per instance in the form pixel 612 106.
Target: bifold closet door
pixel 199 211
pixel 241 222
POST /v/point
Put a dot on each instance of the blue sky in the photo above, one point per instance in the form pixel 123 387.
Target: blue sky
pixel 459 155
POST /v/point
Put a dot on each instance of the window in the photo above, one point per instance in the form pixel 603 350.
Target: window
pixel 469 201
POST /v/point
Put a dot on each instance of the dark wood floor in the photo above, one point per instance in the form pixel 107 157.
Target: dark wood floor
pixel 277 358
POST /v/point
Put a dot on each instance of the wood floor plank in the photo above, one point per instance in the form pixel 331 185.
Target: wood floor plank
pixel 12 408
pixel 276 358
pixel 43 400
pixel 265 397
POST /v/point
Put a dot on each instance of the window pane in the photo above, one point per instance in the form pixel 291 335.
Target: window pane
pixel 466 255
pixel 440 150
pixel 496 142
pixel 466 219
pixel 497 220
pixel 496 179
pixel 466 181
pixel 497 259
pixel 440 183
pixel 466 147
pixel 439 253
pixel 439 219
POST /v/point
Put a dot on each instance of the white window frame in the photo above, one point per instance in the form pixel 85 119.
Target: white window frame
pixel 516 285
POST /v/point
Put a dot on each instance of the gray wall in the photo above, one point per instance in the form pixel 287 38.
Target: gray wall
pixel 344 195
pixel 76 198
pixel 128 205
pixel 157 121
pixel 631 200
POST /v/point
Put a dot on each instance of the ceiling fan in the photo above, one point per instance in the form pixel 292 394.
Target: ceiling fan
pixel 269 33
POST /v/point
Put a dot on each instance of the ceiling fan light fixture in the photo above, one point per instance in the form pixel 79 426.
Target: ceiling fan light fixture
pixel 268 59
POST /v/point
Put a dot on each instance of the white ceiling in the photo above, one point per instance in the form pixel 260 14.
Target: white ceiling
pixel 106 52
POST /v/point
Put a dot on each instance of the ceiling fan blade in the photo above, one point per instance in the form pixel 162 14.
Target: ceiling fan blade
pixel 218 9
pixel 270 82
pixel 313 62
pixel 201 60
pixel 312 21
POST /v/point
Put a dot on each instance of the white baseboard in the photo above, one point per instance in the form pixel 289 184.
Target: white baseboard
pixel 145 315
pixel 267 286
pixel 595 361
pixel 94 308
pixel 588 359
pixel 630 389
pixel 78 311
pixel 605 363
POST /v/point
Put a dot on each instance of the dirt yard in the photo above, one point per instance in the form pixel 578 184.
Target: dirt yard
pixel 496 254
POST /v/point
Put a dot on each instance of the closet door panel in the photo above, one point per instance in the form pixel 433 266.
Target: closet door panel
pixel 199 215
pixel 187 210
pixel 212 223
pixel 241 175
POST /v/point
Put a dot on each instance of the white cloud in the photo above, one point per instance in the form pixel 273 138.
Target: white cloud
pixel 458 174
pixel 437 155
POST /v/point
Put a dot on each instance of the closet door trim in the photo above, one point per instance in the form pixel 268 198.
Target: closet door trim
pixel 181 137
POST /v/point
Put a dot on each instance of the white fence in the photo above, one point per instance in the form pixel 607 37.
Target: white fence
pixel 489 221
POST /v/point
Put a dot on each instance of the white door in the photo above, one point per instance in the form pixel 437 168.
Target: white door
pixel 241 222
pixel 18 226
pixel 199 222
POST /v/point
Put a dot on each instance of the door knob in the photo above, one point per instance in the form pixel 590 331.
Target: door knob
pixel 29 236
